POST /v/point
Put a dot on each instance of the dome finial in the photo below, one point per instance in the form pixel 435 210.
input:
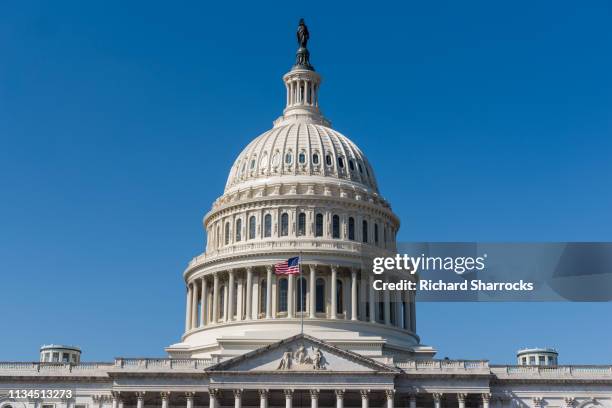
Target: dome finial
pixel 302 57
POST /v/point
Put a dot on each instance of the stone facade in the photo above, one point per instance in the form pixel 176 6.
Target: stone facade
pixel 302 189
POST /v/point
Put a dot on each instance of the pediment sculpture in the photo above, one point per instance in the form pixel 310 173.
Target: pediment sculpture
pixel 302 359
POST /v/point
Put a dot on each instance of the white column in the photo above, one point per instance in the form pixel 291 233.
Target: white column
pixel 339 398
pixel 188 308
pixel 389 394
pixel 291 296
pixel 189 399
pixel 288 398
pixel 212 402
pixel 461 399
pixel 249 293
pixel 240 299
pixel 413 312
pixel 365 398
pixel 237 398
pixel 371 299
pixel 398 309
pixel 334 292
pixel 314 398
pixel 486 398
pixel 203 306
pixel 312 292
pixel 140 399
pixel 115 396
pixel 194 305
pixel 215 299
pixel 437 397
pixel 263 398
pixel 406 295
pixel 387 304
pixel 164 399
pixel 354 299
pixel 268 292
pixel 231 296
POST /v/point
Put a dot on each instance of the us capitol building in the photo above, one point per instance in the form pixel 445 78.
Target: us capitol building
pixel 322 338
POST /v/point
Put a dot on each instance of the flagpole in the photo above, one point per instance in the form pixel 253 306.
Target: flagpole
pixel 301 293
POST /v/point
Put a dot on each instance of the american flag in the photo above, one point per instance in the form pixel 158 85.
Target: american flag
pixel 289 267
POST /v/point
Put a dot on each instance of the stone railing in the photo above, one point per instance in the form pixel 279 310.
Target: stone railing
pixel 561 372
pixel 162 364
pixel 441 366
pixel 101 369
pixel 306 244
pixel 59 369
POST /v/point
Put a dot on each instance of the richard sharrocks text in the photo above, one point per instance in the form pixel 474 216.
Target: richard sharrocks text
pixel 466 285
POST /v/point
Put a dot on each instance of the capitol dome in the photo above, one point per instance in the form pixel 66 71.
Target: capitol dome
pixel 301 189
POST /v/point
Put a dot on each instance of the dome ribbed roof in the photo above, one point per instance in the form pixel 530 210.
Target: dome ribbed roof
pixel 307 152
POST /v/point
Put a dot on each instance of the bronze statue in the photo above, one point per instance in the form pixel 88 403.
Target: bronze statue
pixel 302 34
pixel 302 57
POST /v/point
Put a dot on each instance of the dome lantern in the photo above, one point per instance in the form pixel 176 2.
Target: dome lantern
pixel 302 83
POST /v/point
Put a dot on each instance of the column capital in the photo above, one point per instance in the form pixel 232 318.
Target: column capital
pixel 249 269
pixel 537 401
pixel 312 267
pixel 389 394
pixel 334 268
pixel 364 394
pixel 213 392
pixel 339 393
pixel 164 394
pixel 569 401
pixel 140 395
pixel 486 397
pixel 263 393
pixel 314 393
pixel 437 396
pixel 288 393
pixel 269 268
pixel 116 395
pixel 237 393
pixel 461 397
pixel 189 395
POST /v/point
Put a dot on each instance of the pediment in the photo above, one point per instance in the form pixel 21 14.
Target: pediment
pixel 301 353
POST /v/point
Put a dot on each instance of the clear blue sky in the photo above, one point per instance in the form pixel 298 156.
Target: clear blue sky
pixel 119 122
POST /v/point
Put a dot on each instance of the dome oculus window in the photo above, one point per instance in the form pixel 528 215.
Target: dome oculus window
pixel 276 159
pixel 340 162
pixel 252 164
pixel 351 165
pixel 315 159
pixel 302 158
pixel 328 160
pixel 288 158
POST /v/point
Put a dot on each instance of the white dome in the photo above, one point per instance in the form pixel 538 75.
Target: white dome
pixel 299 149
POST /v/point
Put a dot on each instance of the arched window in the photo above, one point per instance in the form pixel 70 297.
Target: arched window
pixel 252 164
pixel 300 301
pixel 301 227
pixel 267 225
pixel 320 295
pixel 284 225
pixel 340 162
pixel 364 231
pixel 319 225
pixel 335 226
pixel 263 293
pixel 252 227
pixel 227 233
pixel 288 158
pixel 302 158
pixel 282 295
pixel 339 297
pixel 238 229
pixel 376 234
pixel 222 303
pixel 351 228
pixel 315 159
pixel 328 160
